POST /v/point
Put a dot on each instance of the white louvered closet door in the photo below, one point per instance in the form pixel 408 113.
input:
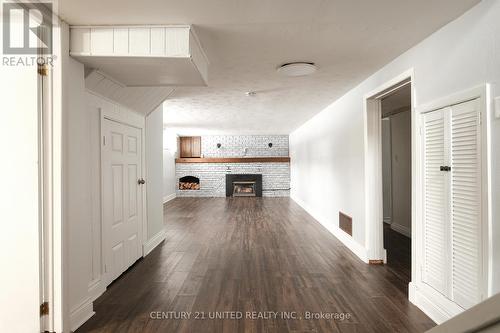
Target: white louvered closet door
pixel 435 229
pixel 466 204
pixel 452 227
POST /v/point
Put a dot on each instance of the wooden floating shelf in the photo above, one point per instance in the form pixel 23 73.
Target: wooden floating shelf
pixel 233 160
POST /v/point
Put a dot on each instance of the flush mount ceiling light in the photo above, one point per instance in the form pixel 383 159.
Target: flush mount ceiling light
pixel 297 69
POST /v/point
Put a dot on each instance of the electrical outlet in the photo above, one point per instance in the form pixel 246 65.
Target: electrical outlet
pixel 497 107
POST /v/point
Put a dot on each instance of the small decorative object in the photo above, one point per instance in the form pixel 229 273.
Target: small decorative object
pixel 270 144
pixel 219 145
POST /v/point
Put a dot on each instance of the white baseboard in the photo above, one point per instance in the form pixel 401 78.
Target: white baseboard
pixel 432 303
pixel 401 229
pixel 154 242
pixel 358 249
pixel 96 289
pixel 169 197
pixel 80 314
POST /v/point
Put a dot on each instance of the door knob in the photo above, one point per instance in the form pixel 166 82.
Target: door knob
pixel 141 181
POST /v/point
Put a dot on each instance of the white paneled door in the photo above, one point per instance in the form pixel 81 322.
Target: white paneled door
pixel 452 203
pixel 122 197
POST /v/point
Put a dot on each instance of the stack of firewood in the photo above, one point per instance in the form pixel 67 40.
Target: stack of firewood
pixel 189 186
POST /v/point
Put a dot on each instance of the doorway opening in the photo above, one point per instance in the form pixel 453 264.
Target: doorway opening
pixel 396 180
pixel 389 154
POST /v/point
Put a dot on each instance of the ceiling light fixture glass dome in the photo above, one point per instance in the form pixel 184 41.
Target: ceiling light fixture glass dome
pixel 297 69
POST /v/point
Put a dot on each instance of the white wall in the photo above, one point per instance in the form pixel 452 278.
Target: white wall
pixel 244 146
pixel 81 191
pixel 154 172
pixel 169 155
pixel 83 151
pixel 83 188
pixel 463 54
pixel 19 252
pixel 78 191
pixel 401 172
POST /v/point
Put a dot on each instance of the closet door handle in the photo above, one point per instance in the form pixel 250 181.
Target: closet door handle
pixel 444 168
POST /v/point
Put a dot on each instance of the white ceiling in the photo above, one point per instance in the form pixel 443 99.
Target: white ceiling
pixel 137 71
pixel 246 40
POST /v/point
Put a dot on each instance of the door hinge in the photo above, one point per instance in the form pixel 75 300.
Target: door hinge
pixel 44 309
pixel 43 70
pixel 104 140
pixel 480 118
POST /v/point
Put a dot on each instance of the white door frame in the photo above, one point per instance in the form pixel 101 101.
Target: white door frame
pixel 52 189
pixel 430 301
pixel 129 118
pixel 374 239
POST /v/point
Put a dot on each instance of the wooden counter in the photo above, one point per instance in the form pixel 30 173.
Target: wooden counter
pixel 233 160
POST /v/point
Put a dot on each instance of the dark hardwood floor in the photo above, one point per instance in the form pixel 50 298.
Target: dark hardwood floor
pixel 398 249
pixel 254 255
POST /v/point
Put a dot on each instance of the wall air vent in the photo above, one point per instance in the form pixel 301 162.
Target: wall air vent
pixel 345 223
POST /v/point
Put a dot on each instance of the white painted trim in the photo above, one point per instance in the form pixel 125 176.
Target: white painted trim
pixel 373 178
pixel 396 81
pixel 344 238
pixel 374 239
pixel 96 288
pixel 432 303
pixel 497 107
pixel 81 313
pixel 77 55
pixel 132 26
pixel 169 197
pixel 156 240
pixel 60 232
pixel 404 230
pixel 475 319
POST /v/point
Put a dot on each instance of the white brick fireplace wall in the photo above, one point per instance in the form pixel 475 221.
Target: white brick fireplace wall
pixel 234 146
pixel 275 176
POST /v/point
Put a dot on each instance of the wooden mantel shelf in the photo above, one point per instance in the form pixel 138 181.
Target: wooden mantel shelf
pixel 233 160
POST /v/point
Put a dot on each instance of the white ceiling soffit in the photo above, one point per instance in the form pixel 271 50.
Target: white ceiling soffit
pixel 246 40
pixel 142 56
pixel 140 99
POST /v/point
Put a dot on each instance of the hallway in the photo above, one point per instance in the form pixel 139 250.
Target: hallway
pixel 253 255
